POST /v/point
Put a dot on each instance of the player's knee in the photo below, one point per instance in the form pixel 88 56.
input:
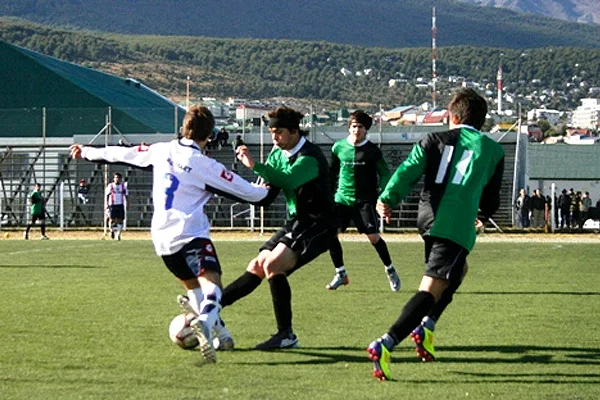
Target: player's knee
pixel 374 238
pixel 255 267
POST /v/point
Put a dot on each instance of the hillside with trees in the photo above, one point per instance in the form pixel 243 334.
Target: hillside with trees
pixel 258 68
pixel 380 23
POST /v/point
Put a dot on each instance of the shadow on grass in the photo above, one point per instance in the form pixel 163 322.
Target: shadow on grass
pixel 53 266
pixel 551 293
pixel 522 355
pixel 540 292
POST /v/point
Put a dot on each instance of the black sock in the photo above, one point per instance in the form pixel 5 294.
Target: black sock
pixel 440 306
pixel 281 294
pixel 336 253
pixel 383 252
pixel 412 314
pixel 241 287
pixel 43 229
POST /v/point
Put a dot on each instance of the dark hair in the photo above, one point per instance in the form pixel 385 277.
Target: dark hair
pixel 470 108
pixel 362 118
pixel 198 123
pixel 118 174
pixel 285 117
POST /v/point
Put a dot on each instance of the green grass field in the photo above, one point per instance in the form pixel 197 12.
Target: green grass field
pixel 83 319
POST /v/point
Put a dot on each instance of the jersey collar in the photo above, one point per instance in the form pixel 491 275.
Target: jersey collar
pixel 189 143
pixel 460 126
pixel 297 147
pixel 358 144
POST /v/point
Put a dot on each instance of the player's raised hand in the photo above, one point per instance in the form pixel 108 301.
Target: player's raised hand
pixel 75 151
pixel 244 156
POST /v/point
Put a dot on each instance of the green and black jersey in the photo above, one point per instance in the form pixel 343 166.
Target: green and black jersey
pixel 359 172
pixel 303 176
pixel 463 175
pixel 37 203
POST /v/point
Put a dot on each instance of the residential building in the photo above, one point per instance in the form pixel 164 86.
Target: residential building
pixel 552 116
pixel 587 115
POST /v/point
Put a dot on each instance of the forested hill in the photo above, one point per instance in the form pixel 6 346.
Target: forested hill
pixel 381 23
pixel 256 68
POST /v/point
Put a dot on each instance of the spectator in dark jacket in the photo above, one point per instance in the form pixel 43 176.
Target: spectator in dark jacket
pixel 564 206
pixel 538 209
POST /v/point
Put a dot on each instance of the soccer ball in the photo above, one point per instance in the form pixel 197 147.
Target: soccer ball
pixel 181 332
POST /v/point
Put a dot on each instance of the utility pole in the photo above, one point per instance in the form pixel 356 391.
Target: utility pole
pixel 433 57
pixel 187 94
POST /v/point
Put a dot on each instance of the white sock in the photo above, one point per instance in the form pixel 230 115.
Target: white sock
pixel 211 304
pixel 196 297
pixel 341 271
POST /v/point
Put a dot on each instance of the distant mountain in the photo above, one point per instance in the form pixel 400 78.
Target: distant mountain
pixel 586 11
pixel 378 23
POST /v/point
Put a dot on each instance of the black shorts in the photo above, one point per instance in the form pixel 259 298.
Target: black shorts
pixel 35 217
pixel 193 259
pixel 444 259
pixel 363 215
pixel 308 239
pixel 117 211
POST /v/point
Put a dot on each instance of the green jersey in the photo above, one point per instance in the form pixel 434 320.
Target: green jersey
pixel 303 175
pixel 359 171
pixel 37 203
pixel 463 175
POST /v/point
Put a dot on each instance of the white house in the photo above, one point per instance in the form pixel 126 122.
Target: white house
pixel 587 115
pixel 552 116
pixel 245 112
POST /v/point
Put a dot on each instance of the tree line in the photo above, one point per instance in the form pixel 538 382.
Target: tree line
pixel 259 68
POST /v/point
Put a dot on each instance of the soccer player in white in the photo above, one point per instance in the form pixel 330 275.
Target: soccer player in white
pixel 116 193
pixel 184 180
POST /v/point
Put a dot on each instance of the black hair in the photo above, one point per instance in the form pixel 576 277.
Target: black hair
pixel 362 118
pixel 286 117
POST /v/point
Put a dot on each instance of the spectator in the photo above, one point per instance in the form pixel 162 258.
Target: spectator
pixel 212 141
pixel 564 205
pixel 222 138
pixel 575 209
pixel 538 208
pixel 523 205
pixel 83 192
pixel 585 205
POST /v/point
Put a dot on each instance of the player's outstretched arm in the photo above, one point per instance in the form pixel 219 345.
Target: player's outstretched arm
pixel 138 156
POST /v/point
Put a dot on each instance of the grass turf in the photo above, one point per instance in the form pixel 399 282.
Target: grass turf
pixel 89 319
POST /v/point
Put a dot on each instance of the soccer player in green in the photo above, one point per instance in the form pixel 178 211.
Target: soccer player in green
pixel 358 170
pixel 38 212
pixel 463 173
pixel 300 169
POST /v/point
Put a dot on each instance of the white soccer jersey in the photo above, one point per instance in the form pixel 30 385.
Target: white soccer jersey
pixel 116 194
pixel 184 180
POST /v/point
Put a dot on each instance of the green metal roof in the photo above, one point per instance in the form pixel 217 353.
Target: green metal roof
pixel 76 99
pixel 564 161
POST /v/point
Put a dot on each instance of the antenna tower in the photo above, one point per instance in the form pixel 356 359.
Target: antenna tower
pixel 433 57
